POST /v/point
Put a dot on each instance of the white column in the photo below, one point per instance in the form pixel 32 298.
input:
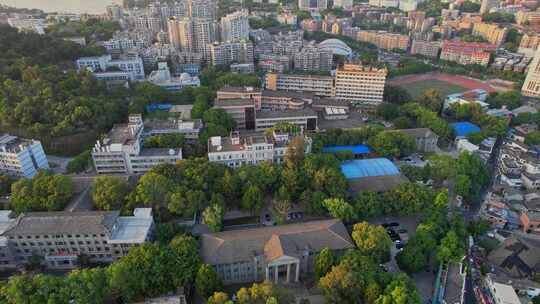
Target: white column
pixel 288 273
pixel 297 272
pixel 276 274
pixel 267 273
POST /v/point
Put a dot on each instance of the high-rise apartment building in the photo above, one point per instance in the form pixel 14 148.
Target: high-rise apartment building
pixel 225 53
pixel 181 33
pixel 361 85
pixel 114 12
pixel 312 58
pixel 313 5
pixel 206 9
pixel 192 34
pixel 21 157
pixel 531 86
pixel 235 26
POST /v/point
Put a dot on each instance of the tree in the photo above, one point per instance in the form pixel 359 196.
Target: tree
pixel 152 190
pixel 469 7
pixel 213 217
pixel 338 285
pixel 339 208
pixel 252 199
pixel 431 99
pixel 207 281
pixel 450 248
pixel 400 290
pixel 295 152
pixel 5 184
pixel 219 298
pixel 463 185
pixel 109 193
pixel 396 95
pixel 392 144
pixel 388 111
pixel 324 262
pixel 533 138
pixel 44 192
pixel 372 241
pixel 80 162
pixel 88 286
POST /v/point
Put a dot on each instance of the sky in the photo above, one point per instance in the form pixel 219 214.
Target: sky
pixel 72 6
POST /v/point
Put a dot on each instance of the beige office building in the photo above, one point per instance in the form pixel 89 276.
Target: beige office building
pixel 361 85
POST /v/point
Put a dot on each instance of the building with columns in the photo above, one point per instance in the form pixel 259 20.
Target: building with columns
pixel 279 253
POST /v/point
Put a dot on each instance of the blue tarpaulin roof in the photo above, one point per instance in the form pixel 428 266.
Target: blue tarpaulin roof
pixel 158 106
pixel 465 128
pixel 359 168
pixel 356 149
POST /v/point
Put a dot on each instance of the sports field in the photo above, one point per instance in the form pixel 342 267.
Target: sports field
pixel 417 83
pixel 416 88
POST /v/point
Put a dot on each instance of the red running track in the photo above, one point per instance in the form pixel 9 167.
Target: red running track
pixel 462 81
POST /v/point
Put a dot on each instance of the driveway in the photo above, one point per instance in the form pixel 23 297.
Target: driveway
pixel 58 164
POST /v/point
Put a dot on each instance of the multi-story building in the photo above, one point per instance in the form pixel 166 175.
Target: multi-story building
pixel 531 86
pixel 347 5
pixel 384 40
pixel 122 150
pixel 487 5
pixel 491 32
pixel 318 85
pixel 313 58
pixel 529 43
pixel 283 100
pixel 61 237
pixel 313 5
pixel 242 111
pixel 252 93
pixel 242 68
pixel 20 157
pixel 115 12
pixel 425 139
pixel 235 26
pixel 131 64
pixel 529 19
pixel 206 9
pixel 274 63
pixel 262 254
pixel 426 48
pixel 225 53
pixel 205 32
pixel 235 151
pixel 181 33
pixel 304 118
pixel 162 78
pixel 361 85
pixel 467 52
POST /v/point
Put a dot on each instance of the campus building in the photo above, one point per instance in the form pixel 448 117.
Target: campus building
pixel 318 85
pixel 61 237
pixel 279 253
pixel 131 64
pixel 361 85
pixel 235 151
pixel 122 150
pixel 425 139
pixel 20 157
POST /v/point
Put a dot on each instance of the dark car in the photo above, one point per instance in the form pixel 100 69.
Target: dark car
pixel 399 246
pixel 402 230
pixel 393 224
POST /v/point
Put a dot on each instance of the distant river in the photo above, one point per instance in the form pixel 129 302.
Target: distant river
pixel 71 6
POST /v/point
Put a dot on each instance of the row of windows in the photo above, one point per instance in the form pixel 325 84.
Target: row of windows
pixel 57 236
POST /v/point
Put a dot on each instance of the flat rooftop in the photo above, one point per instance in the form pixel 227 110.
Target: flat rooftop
pixel 371 167
pixel 131 229
pixel 14 144
pixel 284 114
pixel 223 103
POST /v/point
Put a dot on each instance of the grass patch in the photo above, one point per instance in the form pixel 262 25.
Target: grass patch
pixel 446 88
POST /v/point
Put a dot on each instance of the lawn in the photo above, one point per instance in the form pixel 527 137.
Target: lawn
pixel 416 89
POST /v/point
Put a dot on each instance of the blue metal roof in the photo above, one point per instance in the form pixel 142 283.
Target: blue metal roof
pixel 464 128
pixel 359 168
pixel 356 149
